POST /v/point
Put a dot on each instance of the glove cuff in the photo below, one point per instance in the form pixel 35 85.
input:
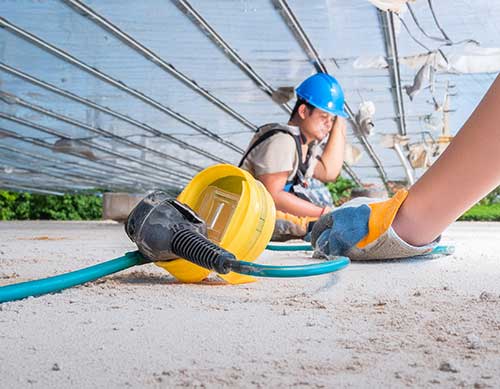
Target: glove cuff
pixel 381 217
pixel 390 246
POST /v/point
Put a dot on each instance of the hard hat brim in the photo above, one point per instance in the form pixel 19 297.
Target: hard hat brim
pixel 335 112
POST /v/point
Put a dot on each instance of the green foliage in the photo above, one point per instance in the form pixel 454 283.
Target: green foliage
pixel 28 206
pixel 480 212
pixel 492 198
pixel 488 209
pixel 6 199
pixel 340 189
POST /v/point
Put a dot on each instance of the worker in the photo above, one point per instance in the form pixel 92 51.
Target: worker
pixel 411 222
pixel 288 158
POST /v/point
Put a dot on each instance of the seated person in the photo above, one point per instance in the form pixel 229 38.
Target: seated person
pixel 287 158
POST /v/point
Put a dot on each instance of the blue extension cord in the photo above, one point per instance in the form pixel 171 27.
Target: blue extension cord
pixel 438 250
pixel 78 277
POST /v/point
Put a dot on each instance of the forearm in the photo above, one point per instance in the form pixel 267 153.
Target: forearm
pixel 284 201
pixel 289 203
pixel 467 171
pixel 330 165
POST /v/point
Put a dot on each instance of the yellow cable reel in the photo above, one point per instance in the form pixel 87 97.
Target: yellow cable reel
pixel 239 213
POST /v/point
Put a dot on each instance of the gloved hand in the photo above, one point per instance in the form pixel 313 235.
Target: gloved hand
pixel 361 230
pixel 288 226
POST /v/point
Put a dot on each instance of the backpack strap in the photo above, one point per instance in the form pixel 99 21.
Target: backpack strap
pixel 302 168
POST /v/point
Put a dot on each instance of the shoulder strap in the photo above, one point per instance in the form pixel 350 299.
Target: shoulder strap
pixel 302 168
pixel 267 135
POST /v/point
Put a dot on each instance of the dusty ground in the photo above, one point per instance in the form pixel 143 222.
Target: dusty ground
pixel 389 324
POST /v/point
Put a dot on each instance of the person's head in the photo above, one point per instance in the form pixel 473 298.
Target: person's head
pixel 314 123
pixel 319 99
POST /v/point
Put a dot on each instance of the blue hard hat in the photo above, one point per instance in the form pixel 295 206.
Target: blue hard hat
pixel 324 92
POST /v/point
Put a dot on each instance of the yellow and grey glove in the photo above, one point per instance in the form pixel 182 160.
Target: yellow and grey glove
pixel 288 226
pixel 361 230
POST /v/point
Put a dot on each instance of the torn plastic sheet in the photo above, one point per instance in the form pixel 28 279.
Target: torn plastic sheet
pixel 370 62
pixel 364 117
pixel 8 169
pixel 74 147
pixel 389 140
pixel 471 58
pixel 419 156
pixel 425 73
pixel 283 94
pixel 391 5
pixel 6 133
pixel 352 154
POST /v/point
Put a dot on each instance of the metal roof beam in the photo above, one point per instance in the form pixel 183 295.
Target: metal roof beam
pixel 28 188
pixel 109 175
pixel 117 83
pixel 231 53
pixel 152 178
pixel 29 180
pixel 156 59
pixel 292 22
pixel 12 99
pixel 145 127
pixel 228 51
pixel 103 181
pixel 103 149
pixel 387 22
pixel 48 172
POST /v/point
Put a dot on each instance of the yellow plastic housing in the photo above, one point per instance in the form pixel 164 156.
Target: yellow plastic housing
pixel 239 213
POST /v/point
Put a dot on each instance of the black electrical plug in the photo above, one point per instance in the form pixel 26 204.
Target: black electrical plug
pixel 164 229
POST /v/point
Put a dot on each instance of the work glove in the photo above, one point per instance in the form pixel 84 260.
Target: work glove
pixel 288 226
pixel 361 230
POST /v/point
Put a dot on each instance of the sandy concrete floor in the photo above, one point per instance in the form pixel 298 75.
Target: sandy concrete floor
pixel 412 323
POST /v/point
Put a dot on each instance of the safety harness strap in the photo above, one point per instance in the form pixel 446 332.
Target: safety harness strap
pixel 302 168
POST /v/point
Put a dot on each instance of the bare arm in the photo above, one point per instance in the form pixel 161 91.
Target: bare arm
pixel 330 164
pixel 284 201
pixel 467 170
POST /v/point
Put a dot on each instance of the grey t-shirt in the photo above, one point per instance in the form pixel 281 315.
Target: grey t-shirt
pixel 278 153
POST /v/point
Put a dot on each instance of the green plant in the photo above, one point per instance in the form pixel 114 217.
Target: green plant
pixel 491 198
pixel 487 209
pixel 481 212
pixel 340 189
pixel 28 206
pixel 7 200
